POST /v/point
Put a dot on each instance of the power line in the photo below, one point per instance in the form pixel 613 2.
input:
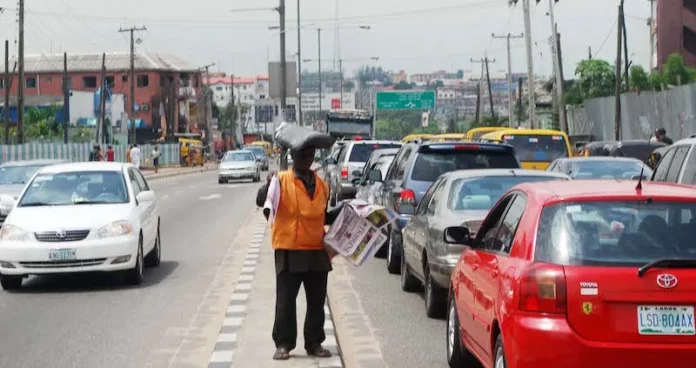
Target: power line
pixel 607 37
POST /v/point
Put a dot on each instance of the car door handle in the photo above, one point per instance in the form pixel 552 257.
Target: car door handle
pixel 495 273
pixel 474 266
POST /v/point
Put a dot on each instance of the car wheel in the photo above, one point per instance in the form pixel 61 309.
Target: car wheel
pixel 408 282
pixel 457 355
pixel 154 258
pixel 134 276
pixel 11 282
pixel 434 307
pixel 332 199
pixel 393 261
pixel 384 249
pixel 499 361
pixel 222 181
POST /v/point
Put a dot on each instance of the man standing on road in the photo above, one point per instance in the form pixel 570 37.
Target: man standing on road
pixel 155 155
pixel 300 256
pixel 110 154
pixel 135 156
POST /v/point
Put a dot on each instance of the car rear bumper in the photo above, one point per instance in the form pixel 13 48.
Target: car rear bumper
pixel 32 257
pixel 346 190
pixel 545 341
pixel 237 174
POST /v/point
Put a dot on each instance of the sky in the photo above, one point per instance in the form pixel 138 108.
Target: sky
pixel 410 35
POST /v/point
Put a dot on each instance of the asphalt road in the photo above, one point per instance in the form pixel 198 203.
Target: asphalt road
pixel 407 337
pixel 94 321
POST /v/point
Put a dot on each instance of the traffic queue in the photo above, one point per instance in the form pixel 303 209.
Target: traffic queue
pixel 521 242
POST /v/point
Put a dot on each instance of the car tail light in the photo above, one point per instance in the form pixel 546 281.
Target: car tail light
pixel 467 147
pixel 344 173
pixel 407 197
pixel 543 289
pixel 357 138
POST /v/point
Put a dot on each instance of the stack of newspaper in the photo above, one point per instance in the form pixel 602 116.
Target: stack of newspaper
pixel 359 231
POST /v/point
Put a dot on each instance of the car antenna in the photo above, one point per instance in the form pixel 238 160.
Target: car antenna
pixel 639 186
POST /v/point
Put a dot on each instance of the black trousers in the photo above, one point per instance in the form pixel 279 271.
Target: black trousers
pixel 285 326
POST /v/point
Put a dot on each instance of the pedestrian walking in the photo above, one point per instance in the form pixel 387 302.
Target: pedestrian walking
pixel 300 256
pixel 155 156
pixel 128 153
pixel 661 136
pixel 135 156
pixel 93 153
pixel 98 154
pixel 110 154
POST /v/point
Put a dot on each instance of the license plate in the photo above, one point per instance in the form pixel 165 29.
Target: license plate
pixel 666 320
pixel 61 254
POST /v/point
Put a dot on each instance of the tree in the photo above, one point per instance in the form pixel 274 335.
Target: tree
pixel 639 79
pixel 595 78
pixel 403 85
pixel 676 72
pixel 460 74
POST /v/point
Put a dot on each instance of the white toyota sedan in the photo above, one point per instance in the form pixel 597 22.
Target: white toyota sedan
pixel 81 217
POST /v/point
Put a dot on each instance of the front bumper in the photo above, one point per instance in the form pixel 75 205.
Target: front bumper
pixel 529 336
pixel 238 174
pixel 91 255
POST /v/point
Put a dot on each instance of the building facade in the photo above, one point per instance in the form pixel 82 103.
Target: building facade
pixel 675 30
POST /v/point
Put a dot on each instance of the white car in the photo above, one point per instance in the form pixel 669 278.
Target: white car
pixel 81 217
pixel 236 165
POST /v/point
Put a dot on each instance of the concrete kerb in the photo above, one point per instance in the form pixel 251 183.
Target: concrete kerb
pixel 178 173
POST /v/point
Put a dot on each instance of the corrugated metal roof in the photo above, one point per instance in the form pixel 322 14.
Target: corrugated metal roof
pixel 114 62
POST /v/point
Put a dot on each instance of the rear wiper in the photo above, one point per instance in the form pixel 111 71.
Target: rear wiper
pixel 668 262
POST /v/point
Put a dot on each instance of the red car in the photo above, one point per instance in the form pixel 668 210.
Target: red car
pixel 578 274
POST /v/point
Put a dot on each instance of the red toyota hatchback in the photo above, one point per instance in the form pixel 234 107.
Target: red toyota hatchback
pixel 578 274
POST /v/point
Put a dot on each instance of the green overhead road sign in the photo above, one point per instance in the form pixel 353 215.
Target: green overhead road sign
pixel 418 100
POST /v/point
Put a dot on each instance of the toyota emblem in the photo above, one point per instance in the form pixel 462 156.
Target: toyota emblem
pixel 666 281
pixel 60 234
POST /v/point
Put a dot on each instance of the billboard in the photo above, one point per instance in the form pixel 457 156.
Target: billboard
pixel 329 101
pixel 274 72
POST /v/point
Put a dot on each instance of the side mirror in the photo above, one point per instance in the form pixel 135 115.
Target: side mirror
pixel 355 181
pixel 457 235
pixel 357 173
pixel 146 197
pixel 331 161
pixel 375 176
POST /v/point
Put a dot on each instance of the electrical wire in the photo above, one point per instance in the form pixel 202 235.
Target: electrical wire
pixel 607 37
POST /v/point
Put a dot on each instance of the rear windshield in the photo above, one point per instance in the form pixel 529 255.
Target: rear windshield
pixel 258 151
pixel 588 169
pixel 616 233
pixel 482 193
pixel 637 151
pixel 430 165
pixel 538 148
pixel 478 135
pixel 362 152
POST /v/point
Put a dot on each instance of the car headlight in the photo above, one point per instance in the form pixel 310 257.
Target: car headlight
pixel 117 228
pixel 13 233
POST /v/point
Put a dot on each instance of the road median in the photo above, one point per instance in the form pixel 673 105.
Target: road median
pixel 165 173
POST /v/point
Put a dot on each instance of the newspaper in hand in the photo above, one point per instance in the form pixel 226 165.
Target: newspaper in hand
pixel 359 231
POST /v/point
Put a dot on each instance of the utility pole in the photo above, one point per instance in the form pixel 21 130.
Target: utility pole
pixel 101 128
pixel 509 60
pixel 340 67
pixel 284 79
pixel 20 83
pixel 8 86
pixel 319 62
pixel 206 104
pixel 625 42
pixel 66 98
pixel 478 103
pixel 131 133
pixel 564 113
pixel 299 66
pixel 233 114
pixel 557 67
pixel 484 64
pixel 652 40
pixel 530 62
pixel 617 108
pixel 589 52
pixel 519 102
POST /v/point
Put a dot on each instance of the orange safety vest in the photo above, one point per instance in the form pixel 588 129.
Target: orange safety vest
pixel 299 221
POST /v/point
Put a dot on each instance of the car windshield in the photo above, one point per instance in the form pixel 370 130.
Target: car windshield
pixel 624 169
pixel 616 233
pixel 258 151
pixel 362 152
pixel 75 188
pixel 430 165
pixel 484 192
pixel 238 156
pixel 478 135
pixel 10 175
pixel 385 162
pixel 537 148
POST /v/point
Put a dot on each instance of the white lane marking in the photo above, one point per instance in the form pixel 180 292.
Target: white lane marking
pixel 210 197
pixel 164 197
pixel 236 309
pixel 223 356
pixel 231 186
pixel 232 321
pixel 227 337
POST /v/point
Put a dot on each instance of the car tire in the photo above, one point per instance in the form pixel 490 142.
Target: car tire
pixel 393 252
pixel 154 258
pixel 134 276
pixel 11 282
pixel 457 355
pixel 499 360
pixel 435 306
pixel 332 199
pixel 408 282
pixel 222 181
pixel 384 249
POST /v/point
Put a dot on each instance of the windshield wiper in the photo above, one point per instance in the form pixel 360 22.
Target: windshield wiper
pixel 35 204
pixel 90 202
pixel 667 262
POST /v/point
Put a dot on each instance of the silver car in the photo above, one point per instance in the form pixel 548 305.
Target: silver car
pixel 14 176
pixel 238 165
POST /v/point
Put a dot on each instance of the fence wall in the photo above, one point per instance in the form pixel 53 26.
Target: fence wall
pixel 641 114
pixel 77 152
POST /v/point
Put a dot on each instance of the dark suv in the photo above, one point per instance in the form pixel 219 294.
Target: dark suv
pixel 415 169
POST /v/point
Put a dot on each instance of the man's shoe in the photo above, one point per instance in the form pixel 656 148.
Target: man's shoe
pixel 319 352
pixel 281 354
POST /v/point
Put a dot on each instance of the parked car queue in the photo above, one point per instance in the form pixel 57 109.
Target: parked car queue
pixel 588 256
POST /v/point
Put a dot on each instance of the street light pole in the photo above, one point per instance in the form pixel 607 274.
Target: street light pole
pixel 319 62
pixel 299 67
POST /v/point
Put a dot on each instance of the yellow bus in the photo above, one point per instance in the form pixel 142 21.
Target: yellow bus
pixel 412 137
pixel 476 133
pixel 456 137
pixel 535 148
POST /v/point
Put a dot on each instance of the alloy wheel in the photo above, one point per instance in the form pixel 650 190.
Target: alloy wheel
pixel 450 331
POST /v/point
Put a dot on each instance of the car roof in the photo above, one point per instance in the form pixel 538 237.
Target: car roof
pixel 566 191
pixel 85 166
pixel 494 146
pixel 465 174
pixel 686 141
pixel 33 163
pixel 599 158
pixel 375 142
